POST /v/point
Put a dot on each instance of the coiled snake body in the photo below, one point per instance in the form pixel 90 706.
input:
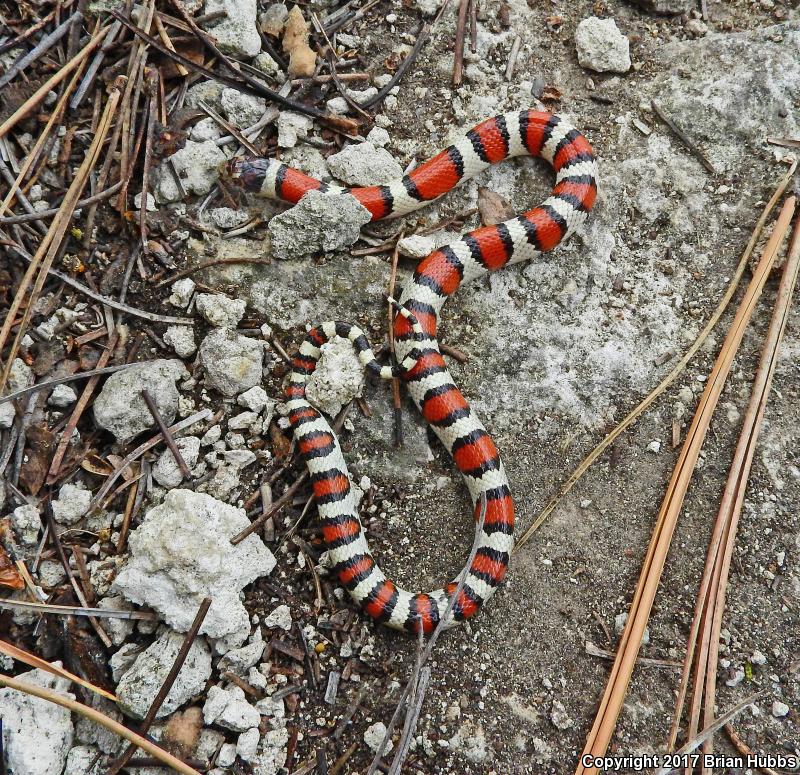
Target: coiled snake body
pixel 421 365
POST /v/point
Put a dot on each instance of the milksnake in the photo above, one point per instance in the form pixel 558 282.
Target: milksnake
pixel 420 363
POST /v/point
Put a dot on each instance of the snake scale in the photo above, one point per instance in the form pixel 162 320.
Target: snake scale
pixel 420 363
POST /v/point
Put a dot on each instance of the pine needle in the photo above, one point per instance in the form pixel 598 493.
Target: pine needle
pixel 711 594
pixel 630 642
pixel 33 661
pixel 677 370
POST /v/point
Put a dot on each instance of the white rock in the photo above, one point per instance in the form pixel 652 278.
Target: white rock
pixel 62 397
pixel 25 523
pixel 221 311
pixel 255 399
pixel 243 420
pixel 237 32
pixel 197 166
pixel 780 709
pixel 271 754
pixel 229 709
pixel 228 218
pixel 317 223
pixel 602 47
pixel 361 96
pixel 337 105
pixel 758 658
pixel 166 470
pixel 118 629
pixel 37 734
pixel 227 755
pixel 265 62
pixel 338 378
pixel 209 92
pixel 280 617
pixel 182 291
pixel 559 716
pixel 373 736
pixel 81 760
pixel 247 744
pixel 181 340
pixel 416 246
pixel 72 504
pixel 20 376
pixel 364 164
pixel 205 129
pixel 151 201
pixel 122 660
pixel 292 127
pixel 378 136
pixel 240 660
pixel 620 620
pixel 243 110
pixel 140 684
pixel 211 436
pixel 181 553
pixel 120 408
pixel 7 415
pixel 470 741
pixel 654 446
pixel 232 363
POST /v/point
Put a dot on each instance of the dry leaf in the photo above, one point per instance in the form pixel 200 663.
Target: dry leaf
pixel 41 443
pixel 493 208
pixel 302 60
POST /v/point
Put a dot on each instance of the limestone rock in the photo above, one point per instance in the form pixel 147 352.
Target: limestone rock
pixel 338 378
pixel 364 164
pixel 197 166
pixel 166 470
pixel 71 505
pixel 602 47
pixel 237 31
pixel 219 310
pixel 231 362
pixel 181 553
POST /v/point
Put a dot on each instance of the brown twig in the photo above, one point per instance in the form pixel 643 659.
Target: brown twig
pixel 458 49
pixel 167 436
pixel 150 716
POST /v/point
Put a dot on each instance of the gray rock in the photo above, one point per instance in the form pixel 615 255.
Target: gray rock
pixel 62 397
pixel 228 218
pixel 317 223
pixel 665 7
pixel 117 629
pixel 90 733
pixel 122 660
pixel 273 19
pixel 140 684
pixel 197 166
pixel 219 310
pixel 166 470
pixel 72 504
pixel 602 47
pixel 374 735
pixel 243 110
pixel 338 378
pixel 247 745
pixel 20 376
pixel 120 408
pixel 237 32
pixel 181 553
pixel 37 734
pixel 256 399
pixel 337 105
pixel 182 291
pixel 292 127
pixel 205 129
pixel 181 339
pixel 240 660
pixel 271 753
pixel 25 523
pixel 209 92
pixel 231 362
pixel 229 709
pixel 81 761
pixel 364 164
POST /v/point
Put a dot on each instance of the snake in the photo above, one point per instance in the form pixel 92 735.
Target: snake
pixel 418 358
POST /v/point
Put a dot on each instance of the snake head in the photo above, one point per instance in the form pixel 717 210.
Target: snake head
pixel 247 173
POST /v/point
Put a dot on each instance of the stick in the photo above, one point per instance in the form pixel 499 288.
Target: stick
pixel 685 139
pixel 458 51
pixel 166 435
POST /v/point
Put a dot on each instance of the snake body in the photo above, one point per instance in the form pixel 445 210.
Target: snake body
pixel 421 365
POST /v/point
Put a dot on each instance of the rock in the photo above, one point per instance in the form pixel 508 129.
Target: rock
pixel 247 745
pixel 227 755
pixel 37 734
pixel 362 96
pixel 273 19
pixel 150 207
pixel 364 164
pixel 209 92
pixel 317 223
pixel 181 339
pixel 205 129
pixel 237 32
pixel 338 378
pixel 696 28
pixel 232 363
pixel 256 399
pixel 72 504
pixel 81 760
pixel 118 629
pixel 62 397
pixel 602 47
pixel 470 741
pixel 244 420
pixel 416 246
pixel 620 620
pixel 240 660
pixel 292 127
pixel 181 553
pixel 271 754
pixel 228 218
pixel 373 736
pixel 7 415
pixel 243 110
pixel 122 660
pixel 25 523
pixel 337 105
pixel 378 136
pixel 182 291
pixel 780 709
pixel 280 617
pixel 166 470
pixel 665 7
pixel 197 166
pixel 219 310
pixel 229 709
pixel 140 684
pixel 120 407
pixel 20 376
pixel 559 716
